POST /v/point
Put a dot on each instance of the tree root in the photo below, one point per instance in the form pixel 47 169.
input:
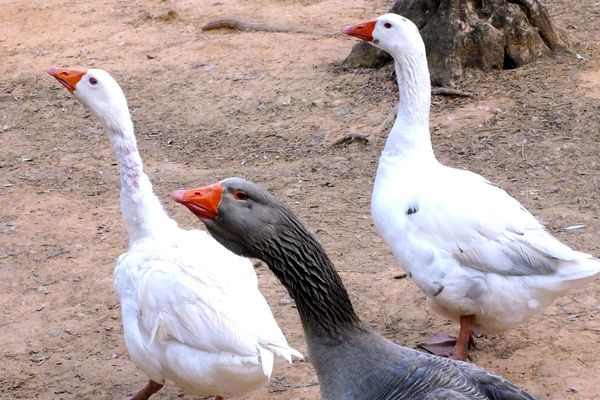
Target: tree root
pixel 246 26
pixel 442 91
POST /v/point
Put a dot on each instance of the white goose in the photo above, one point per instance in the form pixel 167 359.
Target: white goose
pixel 478 255
pixel 192 312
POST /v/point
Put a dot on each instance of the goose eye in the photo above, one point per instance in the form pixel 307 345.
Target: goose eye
pixel 93 81
pixel 387 25
pixel 239 195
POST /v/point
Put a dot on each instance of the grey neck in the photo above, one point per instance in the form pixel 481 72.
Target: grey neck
pixel 308 274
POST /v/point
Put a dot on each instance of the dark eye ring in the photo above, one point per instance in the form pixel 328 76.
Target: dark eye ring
pixel 387 25
pixel 239 195
pixel 93 81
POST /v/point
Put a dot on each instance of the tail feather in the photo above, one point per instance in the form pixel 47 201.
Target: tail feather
pixel 584 266
pixel 282 351
pixel 266 360
pixel 577 273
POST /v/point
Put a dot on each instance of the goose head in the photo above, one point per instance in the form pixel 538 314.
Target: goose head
pixel 390 32
pixel 237 213
pixel 97 91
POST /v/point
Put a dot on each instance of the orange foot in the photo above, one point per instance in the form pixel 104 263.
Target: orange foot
pixel 449 346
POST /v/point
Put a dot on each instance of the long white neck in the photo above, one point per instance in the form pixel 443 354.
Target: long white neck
pixel 410 132
pixel 142 212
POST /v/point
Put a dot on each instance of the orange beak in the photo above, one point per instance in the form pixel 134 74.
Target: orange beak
pixel 203 202
pixel 68 77
pixel 363 31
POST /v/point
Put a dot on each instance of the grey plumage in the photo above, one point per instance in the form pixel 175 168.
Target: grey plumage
pixel 352 361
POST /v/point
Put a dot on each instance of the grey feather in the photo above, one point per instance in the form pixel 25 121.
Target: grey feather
pixel 352 361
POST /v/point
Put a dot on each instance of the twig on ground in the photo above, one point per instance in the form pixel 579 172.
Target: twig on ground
pixel 365 137
pixel 388 122
pixel 390 118
pixel 246 26
pixel 350 138
pixel 16 97
pixel 442 91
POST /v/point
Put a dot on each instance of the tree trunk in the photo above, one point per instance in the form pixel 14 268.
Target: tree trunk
pixel 482 34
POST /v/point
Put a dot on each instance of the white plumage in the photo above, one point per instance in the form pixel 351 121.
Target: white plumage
pixel 192 311
pixel 467 244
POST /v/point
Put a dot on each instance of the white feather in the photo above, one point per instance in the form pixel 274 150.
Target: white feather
pixel 468 245
pixel 192 312
pixel 195 310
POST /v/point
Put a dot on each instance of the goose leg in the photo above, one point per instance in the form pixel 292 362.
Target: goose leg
pixel 464 339
pixel 450 346
pixel 147 391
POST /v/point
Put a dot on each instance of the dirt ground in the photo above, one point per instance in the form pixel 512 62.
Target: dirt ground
pixel 267 107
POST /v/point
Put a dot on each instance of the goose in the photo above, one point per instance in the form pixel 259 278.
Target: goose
pixel 192 312
pixel 352 362
pixel 476 253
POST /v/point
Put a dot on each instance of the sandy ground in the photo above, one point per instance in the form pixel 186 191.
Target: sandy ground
pixel 266 106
